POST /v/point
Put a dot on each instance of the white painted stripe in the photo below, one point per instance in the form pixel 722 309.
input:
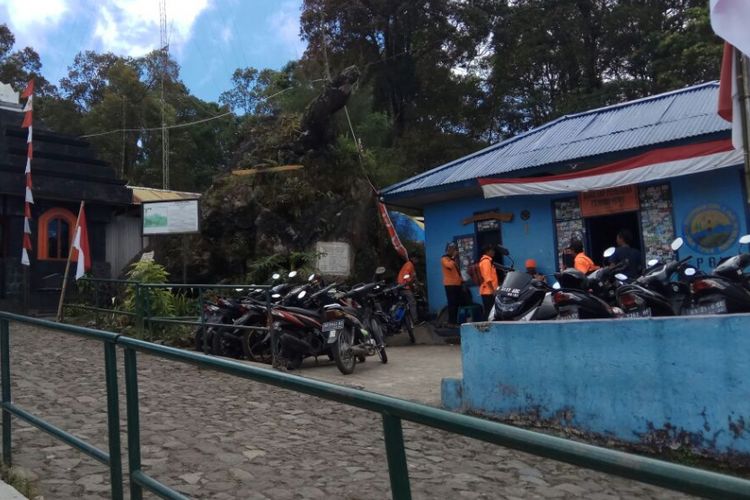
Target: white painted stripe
pixel 637 175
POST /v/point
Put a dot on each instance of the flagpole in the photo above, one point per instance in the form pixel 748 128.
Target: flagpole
pixel 741 62
pixel 67 267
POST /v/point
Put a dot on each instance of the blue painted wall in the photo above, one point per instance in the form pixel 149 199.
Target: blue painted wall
pixel 721 187
pixel 623 378
pixel 535 238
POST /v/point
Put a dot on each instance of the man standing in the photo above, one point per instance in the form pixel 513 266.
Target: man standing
pixel 489 278
pixel 406 276
pixel 452 281
pixel 625 253
pixel 582 262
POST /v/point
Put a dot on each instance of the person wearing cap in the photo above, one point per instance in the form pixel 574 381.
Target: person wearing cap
pixel 451 281
pixel 532 270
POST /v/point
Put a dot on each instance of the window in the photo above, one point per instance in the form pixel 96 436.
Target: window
pixel 55 234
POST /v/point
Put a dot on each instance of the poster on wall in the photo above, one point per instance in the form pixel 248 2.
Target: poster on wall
pixel 466 253
pixel 334 258
pixel 568 224
pixel 657 224
pixel 170 217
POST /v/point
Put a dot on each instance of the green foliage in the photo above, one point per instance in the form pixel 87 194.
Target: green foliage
pixel 19 480
pixel 154 301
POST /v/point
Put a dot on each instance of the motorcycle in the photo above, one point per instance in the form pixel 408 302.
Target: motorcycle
pixel 725 290
pixel 655 293
pixel 394 312
pixel 574 300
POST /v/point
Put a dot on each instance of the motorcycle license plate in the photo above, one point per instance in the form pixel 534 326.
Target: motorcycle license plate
pixel 568 315
pixel 332 326
pixel 646 313
pixel 719 307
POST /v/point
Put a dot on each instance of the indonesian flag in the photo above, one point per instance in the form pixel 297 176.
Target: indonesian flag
pixel 81 249
pixel 395 240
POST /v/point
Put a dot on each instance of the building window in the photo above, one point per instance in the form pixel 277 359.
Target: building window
pixel 55 234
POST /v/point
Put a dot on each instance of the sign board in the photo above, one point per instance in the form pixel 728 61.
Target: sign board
pixel 609 201
pixel 170 217
pixel 334 258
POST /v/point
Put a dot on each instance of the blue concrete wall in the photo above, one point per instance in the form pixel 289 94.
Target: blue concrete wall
pixel 630 379
pixel 533 238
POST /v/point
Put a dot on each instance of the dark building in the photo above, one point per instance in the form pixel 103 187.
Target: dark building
pixel 65 171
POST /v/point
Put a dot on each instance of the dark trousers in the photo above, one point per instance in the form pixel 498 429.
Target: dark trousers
pixel 487 301
pixel 453 294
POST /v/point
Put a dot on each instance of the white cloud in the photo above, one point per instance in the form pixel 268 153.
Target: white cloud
pixel 29 20
pixel 131 27
pixel 226 34
pixel 285 24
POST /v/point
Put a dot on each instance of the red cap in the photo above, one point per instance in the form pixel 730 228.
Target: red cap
pixel 530 263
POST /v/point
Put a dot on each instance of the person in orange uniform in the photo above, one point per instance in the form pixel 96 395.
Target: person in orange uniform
pixel 489 278
pixel 582 262
pixel 406 276
pixel 451 281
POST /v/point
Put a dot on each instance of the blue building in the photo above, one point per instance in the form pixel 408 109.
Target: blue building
pixel 662 167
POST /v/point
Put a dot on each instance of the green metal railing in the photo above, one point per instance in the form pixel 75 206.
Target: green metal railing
pixel 392 410
pixel 143 317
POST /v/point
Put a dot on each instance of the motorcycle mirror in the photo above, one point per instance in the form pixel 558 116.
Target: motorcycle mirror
pixel 311 277
pixel 302 294
pixel 275 276
pixel 745 240
pixel 652 262
pixel 677 244
pixel 380 270
pixel 292 274
pixel 407 276
pixel 238 289
pixel 276 296
pixel 556 286
pixel 690 271
pixel 609 252
pixel 621 277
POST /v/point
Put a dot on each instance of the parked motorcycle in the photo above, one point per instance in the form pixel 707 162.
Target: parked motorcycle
pixel 575 301
pixel 393 311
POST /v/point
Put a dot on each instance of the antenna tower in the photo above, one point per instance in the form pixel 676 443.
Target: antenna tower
pixel 164 64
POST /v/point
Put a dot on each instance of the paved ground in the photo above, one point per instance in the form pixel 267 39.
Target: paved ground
pixel 212 436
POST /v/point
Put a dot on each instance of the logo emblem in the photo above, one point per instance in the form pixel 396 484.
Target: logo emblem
pixel 711 228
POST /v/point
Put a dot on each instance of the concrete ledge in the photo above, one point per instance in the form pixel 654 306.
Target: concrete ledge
pixel 8 492
pixel 676 382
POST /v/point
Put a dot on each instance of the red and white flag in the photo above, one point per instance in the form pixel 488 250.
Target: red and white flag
pixel 28 109
pixel 81 250
pixel 729 20
pixel 395 240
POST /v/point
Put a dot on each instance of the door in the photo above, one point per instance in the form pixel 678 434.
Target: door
pixel 602 233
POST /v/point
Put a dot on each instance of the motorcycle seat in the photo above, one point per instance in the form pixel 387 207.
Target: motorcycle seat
pixel 299 310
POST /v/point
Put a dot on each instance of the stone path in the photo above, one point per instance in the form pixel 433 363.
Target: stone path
pixel 213 436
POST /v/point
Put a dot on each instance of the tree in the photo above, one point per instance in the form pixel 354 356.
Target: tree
pixel 20 66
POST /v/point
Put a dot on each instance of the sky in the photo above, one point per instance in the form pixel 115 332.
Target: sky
pixel 208 38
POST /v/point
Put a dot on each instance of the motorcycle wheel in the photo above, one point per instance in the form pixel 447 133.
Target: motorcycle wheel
pixel 253 347
pixel 198 340
pixel 221 345
pixel 377 332
pixel 294 363
pixel 409 322
pixel 342 351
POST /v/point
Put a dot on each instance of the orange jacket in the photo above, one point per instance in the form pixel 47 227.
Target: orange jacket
pixel 407 268
pixel 451 276
pixel 489 276
pixel 584 264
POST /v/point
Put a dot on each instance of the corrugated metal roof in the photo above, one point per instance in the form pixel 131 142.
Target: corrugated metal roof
pixel 672 116
pixel 146 194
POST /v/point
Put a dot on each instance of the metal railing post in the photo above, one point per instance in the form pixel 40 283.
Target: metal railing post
pixel 6 399
pixel 134 432
pixel 201 304
pixel 394 450
pixel 272 331
pixel 113 420
pixel 139 308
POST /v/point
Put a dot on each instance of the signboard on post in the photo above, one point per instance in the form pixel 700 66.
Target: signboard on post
pixel 170 217
pixel 334 258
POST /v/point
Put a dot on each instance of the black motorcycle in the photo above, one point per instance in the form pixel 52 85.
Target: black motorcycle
pixel 575 301
pixel 522 298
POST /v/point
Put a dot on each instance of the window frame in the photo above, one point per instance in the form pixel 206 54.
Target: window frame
pixel 46 218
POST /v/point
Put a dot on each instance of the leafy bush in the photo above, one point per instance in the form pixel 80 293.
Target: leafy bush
pixel 155 301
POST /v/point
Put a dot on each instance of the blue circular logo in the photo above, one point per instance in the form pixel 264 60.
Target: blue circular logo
pixel 711 228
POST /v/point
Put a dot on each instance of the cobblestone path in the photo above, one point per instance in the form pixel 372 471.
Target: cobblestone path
pixel 213 436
